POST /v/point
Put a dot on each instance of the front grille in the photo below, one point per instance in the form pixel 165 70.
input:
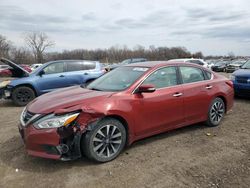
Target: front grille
pixel 243 80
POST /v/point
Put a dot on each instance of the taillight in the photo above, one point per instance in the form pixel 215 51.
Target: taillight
pixel 230 83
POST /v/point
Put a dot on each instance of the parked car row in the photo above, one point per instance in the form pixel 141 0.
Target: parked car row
pixel 227 66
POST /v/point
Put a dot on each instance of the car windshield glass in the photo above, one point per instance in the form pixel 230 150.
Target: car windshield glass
pixel 220 63
pixel 246 65
pixel 118 79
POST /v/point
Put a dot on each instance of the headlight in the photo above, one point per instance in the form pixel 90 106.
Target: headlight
pixel 54 121
pixel 232 77
pixel 4 83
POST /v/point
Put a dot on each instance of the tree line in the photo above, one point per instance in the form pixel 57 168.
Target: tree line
pixel 38 43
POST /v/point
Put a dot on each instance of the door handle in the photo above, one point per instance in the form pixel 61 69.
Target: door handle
pixel 61 76
pixel 209 87
pixel 85 73
pixel 177 94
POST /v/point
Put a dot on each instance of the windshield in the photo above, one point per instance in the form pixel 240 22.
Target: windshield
pixel 246 65
pixel 118 79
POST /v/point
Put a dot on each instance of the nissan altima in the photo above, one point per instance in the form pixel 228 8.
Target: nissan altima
pixel 127 104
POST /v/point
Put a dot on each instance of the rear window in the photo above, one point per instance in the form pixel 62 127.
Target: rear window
pixel 80 65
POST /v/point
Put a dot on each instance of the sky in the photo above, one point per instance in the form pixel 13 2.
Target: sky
pixel 215 27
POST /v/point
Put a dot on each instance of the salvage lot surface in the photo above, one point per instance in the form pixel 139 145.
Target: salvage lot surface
pixel 194 156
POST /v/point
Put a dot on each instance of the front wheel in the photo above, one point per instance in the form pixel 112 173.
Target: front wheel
pixel 22 95
pixel 105 141
pixel 216 112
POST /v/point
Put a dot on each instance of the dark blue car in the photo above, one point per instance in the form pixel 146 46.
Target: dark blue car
pixel 241 80
pixel 50 76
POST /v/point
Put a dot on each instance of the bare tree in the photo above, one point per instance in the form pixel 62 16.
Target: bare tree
pixel 38 42
pixel 5 46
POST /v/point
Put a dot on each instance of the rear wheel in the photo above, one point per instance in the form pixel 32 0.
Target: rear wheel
pixel 105 141
pixel 216 112
pixel 22 95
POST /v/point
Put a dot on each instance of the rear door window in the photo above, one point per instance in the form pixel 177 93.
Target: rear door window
pixel 191 74
pixel 89 65
pixel 80 65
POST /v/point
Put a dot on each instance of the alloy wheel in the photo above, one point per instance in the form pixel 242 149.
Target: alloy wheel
pixel 107 141
pixel 217 111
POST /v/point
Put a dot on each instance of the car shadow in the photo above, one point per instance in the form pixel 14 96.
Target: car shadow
pixel 13 153
pixel 6 103
pixel 171 133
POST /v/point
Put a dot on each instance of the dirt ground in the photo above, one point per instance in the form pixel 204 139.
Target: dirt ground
pixel 194 156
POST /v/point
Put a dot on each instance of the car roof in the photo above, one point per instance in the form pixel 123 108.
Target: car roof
pixel 72 60
pixel 185 59
pixel 152 64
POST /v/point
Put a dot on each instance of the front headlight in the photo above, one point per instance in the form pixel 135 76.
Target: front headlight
pixel 4 83
pixel 55 121
pixel 232 77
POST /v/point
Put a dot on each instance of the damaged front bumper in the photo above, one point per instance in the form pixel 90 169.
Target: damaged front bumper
pixel 63 143
pixel 5 93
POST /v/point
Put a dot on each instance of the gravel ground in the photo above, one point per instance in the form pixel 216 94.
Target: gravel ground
pixel 194 156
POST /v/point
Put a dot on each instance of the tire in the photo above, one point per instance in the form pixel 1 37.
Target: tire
pixel 216 112
pixel 100 148
pixel 21 96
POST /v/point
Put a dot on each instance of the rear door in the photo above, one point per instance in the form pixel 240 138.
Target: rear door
pixel 162 109
pixel 78 72
pixel 53 78
pixel 196 93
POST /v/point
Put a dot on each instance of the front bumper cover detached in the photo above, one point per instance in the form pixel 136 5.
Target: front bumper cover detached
pixel 63 143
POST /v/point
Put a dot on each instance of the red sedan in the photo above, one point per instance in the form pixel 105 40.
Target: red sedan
pixel 127 104
pixel 9 71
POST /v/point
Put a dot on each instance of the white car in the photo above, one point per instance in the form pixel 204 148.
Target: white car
pixel 35 66
pixel 195 61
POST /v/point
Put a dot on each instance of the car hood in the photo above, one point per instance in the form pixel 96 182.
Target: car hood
pixel 20 72
pixel 71 98
pixel 234 65
pixel 242 72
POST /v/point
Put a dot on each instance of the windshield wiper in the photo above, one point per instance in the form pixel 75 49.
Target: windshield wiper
pixel 95 89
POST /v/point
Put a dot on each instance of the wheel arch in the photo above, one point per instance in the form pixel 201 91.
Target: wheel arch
pixel 27 85
pixel 124 123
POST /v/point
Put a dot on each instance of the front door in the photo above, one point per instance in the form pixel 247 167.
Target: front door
pixel 53 78
pixel 162 109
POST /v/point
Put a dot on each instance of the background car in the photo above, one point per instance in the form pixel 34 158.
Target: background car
pixel 220 66
pixel 52 75
pixel 234 65
pixel 200 62
pixel 241 80
pixel 125 62
pixel 9 71
pixel 124 105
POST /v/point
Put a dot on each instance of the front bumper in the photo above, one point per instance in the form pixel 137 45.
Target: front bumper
pixel 5 93
pixel 242 89
pixel 40 143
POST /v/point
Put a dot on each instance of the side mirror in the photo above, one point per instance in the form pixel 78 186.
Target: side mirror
pixel 146 88
pixel 41 73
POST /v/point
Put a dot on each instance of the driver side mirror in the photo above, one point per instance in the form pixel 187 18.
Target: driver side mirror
pixel 41 73
pixel 146 88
